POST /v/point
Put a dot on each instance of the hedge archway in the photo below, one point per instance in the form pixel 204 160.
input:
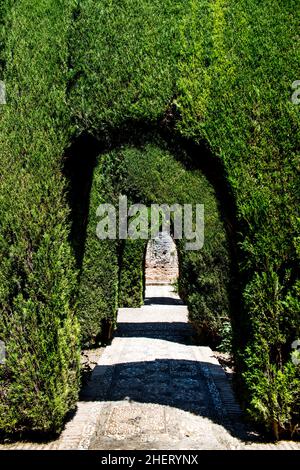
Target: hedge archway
pixel 113 270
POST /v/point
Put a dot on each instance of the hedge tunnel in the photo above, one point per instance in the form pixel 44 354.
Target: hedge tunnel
pixel 215 75
pixel 113 271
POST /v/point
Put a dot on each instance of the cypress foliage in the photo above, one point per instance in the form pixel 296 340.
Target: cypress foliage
pixel 239 61
pixel 131 274
pixel 98 292
pixel 39 379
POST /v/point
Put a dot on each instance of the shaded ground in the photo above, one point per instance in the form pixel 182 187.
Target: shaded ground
pixel 88 361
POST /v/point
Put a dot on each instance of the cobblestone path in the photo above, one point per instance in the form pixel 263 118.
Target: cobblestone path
pixel 162 391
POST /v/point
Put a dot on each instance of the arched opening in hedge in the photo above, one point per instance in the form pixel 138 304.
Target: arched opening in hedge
pixel 112 273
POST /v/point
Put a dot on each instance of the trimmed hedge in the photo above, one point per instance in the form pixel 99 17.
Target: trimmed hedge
pixel 219 71
pixel 125 61
pixel 98 293
pixel 5 6
pixel 40 378
pixel 131 274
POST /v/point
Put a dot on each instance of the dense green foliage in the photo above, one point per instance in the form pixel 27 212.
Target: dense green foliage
pixel 219 71
pixel 131 277
pixel 5 6
pixel 125 60
pixel 98 294
pixel 39 380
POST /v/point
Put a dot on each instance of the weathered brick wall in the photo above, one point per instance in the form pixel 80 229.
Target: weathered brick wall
pixel 161 260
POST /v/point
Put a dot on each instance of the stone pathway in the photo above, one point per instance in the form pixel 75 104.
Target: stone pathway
pixel 153 388
pixel 164 392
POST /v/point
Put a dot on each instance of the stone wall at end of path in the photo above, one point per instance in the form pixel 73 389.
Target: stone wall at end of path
pixel 161 260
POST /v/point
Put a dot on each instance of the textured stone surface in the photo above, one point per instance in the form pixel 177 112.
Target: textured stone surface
pixel 161 260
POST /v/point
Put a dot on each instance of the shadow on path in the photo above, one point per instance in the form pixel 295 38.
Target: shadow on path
pixel 177 332
pixel 162 301
pixel 183 384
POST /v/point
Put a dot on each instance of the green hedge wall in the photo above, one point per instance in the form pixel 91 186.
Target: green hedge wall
pixel 239 60
pixel 131 274
pixel 5 6
pixel 40 377
pixel 125 61
pixel 98 292
pixel 219 71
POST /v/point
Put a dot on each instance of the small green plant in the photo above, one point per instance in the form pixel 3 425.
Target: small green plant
pixel 226 338
pixel 175 285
